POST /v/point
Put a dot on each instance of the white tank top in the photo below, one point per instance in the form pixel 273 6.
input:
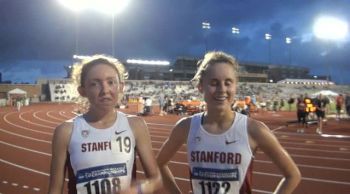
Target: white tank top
pixel 218 162
pixel 102 159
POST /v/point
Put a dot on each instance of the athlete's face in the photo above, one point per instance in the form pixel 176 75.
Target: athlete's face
pixel 101 86
pixel 219 86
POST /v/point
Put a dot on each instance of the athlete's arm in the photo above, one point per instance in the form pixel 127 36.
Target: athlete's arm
pixel 262 138
pixel 60 144
pixel 153 179
pixel 176 139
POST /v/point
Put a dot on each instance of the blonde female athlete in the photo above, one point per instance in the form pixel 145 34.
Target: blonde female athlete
pixel 221 143
pixel 100 145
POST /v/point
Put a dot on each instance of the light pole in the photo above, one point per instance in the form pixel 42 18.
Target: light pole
pixel 289 42
pixel 111 7
pixel 205 26
pixel 235 31
pixel 268 37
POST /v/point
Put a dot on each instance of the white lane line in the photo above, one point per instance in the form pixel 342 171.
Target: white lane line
pixel 23 167
pixel 44 120
pixel 25 128
pixel 53 117
pixel 62 113
pixel 159 124
pixel 159 135
pixel 182 152
pixel 255 172
pixel 188 180
pixel 306 178
pixel 37 124
pixel 26 149
pixel 36 189
pixel 25 137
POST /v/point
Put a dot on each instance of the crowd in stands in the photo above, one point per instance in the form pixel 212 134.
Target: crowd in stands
pixel 269 96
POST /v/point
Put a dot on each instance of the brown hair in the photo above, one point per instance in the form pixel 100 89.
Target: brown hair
pixel 212 58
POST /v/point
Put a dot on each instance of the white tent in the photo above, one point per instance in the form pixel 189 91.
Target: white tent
pixel 325 93
pixel 17 92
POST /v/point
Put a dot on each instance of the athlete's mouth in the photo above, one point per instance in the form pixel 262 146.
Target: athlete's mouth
pixel 220 98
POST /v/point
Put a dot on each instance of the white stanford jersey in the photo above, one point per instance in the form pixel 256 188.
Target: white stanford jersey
pixel 219 163
pixel 102 159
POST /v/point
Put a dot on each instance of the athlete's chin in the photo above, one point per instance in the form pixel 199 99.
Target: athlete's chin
pixel 106 105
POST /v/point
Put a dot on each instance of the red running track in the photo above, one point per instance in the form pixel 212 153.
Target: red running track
pixel 25 150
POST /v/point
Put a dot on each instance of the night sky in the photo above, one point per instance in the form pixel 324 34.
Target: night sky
pixel 39 37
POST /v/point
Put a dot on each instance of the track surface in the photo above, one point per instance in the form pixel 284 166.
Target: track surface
pixel 25 150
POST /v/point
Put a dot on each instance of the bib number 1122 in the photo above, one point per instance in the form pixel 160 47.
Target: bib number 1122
pixel 212 187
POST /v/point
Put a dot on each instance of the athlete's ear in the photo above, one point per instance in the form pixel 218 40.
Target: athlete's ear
pixel 200 87
pixel 121 87
pixel 81 91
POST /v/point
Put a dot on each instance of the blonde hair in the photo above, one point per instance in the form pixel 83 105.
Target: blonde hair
pixel 80 71
pixel 212 58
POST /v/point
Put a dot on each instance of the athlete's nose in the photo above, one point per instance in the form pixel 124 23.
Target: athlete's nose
pixel 221 87
pixel 105 88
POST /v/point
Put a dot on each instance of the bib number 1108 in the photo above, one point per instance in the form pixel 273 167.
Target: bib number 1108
pixel 104 186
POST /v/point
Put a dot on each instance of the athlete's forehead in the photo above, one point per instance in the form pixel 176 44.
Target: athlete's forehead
pixel 220 71
pixel 102 70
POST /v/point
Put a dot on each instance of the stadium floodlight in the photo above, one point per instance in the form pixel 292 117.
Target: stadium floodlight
pixel 268 36
pixel 75 5
pixel 80 57
pixel 235 30
pixel 288 40
pixel 105 6
pixel 330 28
pixel 148 62
pixel 206 25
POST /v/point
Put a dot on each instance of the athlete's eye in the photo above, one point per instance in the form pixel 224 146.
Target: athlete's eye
pixel 213 83
pixel 228 83
pixel 94 84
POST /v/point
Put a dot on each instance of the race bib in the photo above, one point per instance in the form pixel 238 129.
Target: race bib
pixel 214 181
pixel 101 179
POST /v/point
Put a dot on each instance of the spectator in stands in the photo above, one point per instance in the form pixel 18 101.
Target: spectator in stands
pixel 347 103
pixel 309 107
pixel 275 104
pixel 281 104
pixel 301 112
pixel 339 102
pixel 140 105
pixel 148 106
pixel 161 102
pixel 290 102
pixel 101 142
pixel 248 103
pixel 18 105
pixel 221 143
pixel 320 103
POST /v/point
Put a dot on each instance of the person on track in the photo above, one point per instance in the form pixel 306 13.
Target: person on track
pixel 221 143
pixel 100 145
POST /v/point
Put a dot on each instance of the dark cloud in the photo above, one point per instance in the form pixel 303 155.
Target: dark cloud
pixel 45 31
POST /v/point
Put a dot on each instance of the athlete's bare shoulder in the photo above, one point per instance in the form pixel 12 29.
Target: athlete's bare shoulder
pixel 135 120
pixel 63 133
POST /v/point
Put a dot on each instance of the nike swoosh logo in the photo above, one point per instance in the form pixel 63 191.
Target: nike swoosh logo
pixel 119 132
pixel 230 142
